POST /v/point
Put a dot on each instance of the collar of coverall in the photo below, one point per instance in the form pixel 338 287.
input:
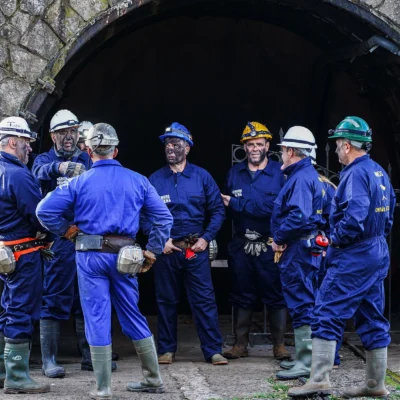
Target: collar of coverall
pixel 12 158
pixel 243 166
pixel 187 171
pixel 104 163
pixel 356 161
pixel 303 163
pixel 61 154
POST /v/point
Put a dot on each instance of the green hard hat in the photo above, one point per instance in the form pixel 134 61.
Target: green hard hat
pixel 352 128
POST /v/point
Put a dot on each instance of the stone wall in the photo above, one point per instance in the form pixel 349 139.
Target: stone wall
pixel 33 33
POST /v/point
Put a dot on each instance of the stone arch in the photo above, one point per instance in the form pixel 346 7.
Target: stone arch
pixel 38 38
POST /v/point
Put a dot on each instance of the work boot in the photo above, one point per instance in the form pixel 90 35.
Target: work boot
pixel 217 359
pixel 2 366
pixel 277 325
pixel 323 354
pixel 375 376
pixel 146 350
pixel 166 358
pixel 302 367
pixel 49 335
pixel 287 364
pixel 18 380
pixel 101 361
pixel 242 331
pixel 86 362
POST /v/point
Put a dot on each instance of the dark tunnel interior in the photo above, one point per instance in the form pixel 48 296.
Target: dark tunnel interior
pixel 215 69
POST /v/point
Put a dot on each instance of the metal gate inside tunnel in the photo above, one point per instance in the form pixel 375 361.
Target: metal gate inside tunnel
pixel 215 65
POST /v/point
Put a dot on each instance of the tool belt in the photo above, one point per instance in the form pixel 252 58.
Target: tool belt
pixel 102 244
pixel 186 243
pixel 25 246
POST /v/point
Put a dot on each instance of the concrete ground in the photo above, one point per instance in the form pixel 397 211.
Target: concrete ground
pixel 190 378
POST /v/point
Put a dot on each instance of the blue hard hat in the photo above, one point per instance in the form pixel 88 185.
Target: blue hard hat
pixel 179 131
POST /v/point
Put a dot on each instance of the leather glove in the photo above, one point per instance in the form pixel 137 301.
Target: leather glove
pixel 71 169
pixel 149 260
pixel 47 254
pixel 72 233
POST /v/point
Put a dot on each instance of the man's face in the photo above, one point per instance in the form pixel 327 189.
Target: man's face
pixel 22 149
pixel 176 150
pixel 256 150
pixel 286 155
pixel 82 146
pixel 65 139
pixel 342 150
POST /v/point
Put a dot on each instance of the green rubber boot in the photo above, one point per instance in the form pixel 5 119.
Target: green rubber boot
pixel 49 335
pixel 2 366
pixel 101 361
pixel 375 377
pixel 152 383
pixel 302 367
pixel 323 355
pixel 18 380
pixel 287 364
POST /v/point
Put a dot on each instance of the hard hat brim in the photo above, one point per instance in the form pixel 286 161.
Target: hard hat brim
pixel 356 138
pixel 176 135
pixel 263 135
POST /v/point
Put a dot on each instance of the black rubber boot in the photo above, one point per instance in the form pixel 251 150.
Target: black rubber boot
pixel 18 380
pixel 242 331
pixel 277 325
pixel 152 382
pixel 2 366
pixel 49 336
pixel 101 360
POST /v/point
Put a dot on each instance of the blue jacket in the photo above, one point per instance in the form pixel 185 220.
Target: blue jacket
pixel 252 200
pixel 19 196
pixel 328 192
pixel 45 168
pixel 107 199
pixel 363 204
pixel 194 200
pixel 298 207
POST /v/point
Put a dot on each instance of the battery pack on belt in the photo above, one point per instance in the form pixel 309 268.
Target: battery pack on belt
pixel 25 246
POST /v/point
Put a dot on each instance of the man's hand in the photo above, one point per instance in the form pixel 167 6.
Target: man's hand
pixel 71 169
pixel 200 245
pixel 226 199
pixel 72 232
pixel 149 260
pixel 169 247
pixel 276 247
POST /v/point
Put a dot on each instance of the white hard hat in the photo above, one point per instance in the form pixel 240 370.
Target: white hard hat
pixel 84 129
pixel 313 156
pixel 63 119
pixel 101 135
pixel 299 137
pixel 16 126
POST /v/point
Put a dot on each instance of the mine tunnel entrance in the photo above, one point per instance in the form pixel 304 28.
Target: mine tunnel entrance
pixel 213 69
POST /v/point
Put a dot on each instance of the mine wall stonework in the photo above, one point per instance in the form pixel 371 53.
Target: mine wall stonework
pixel 36 34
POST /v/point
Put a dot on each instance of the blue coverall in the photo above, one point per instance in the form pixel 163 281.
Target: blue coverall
pixel 358 259
pixel 251 205
pixel 59 285
pixel 297 216
pixel 22 294
pixel 195 202
pixel 107 200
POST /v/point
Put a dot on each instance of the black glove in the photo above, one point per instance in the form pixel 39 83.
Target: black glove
pixel 47 254
pixel 71 169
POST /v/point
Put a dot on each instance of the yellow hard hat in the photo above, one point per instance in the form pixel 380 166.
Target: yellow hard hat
pixel 255 130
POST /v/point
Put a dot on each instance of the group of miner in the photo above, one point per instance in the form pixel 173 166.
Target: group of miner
pixel 68 230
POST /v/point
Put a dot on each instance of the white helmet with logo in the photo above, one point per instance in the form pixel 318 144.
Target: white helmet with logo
pixel 299 137
pixel 16 126
pixel 83 130
pixel 101 135
pixel 63 119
